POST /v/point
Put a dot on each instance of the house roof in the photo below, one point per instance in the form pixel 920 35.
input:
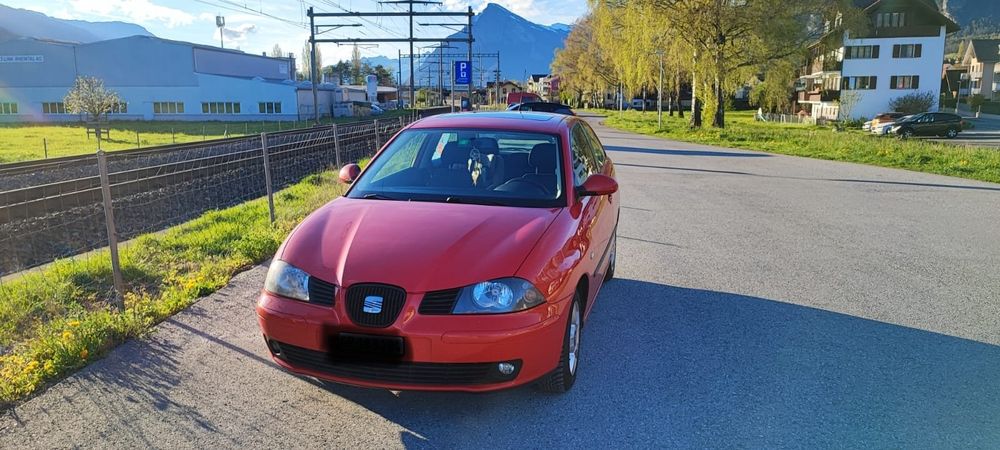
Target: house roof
pixel 985 50
pixel 930 6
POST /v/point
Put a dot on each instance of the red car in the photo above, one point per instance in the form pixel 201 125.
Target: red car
pixel 466 256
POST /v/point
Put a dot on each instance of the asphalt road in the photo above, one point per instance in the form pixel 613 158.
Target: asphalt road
pixel 762 301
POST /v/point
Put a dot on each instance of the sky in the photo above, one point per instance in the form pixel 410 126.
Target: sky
pixel 255 26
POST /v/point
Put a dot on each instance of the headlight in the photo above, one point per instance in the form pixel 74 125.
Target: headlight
pixel 287 280
pixel 497 296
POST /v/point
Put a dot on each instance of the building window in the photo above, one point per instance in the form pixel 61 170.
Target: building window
pixel 269 107
pixel 53 108
pixel 220 108
pixel 861 52
pixel 906 50
pixel 168 107
pixel 890 20
pixel 8 108
pixel 904 82
pixel 119 108
pixel 858 83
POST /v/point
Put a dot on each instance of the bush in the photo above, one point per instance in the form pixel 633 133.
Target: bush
pixel 913 103
pixel 976 101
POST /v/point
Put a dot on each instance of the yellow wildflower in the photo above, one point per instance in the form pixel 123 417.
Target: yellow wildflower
pixel 31 366
pixel 73 323
pixel 48 366
pixel 67 335
pixel 84 353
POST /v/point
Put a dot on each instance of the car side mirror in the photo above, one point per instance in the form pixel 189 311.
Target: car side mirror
pixel 597 185
pixel 349 173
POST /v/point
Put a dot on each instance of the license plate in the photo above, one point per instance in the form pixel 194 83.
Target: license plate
pixel 366 346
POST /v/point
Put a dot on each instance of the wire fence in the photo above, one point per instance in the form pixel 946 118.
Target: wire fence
pixel 785 118
pixel 60 208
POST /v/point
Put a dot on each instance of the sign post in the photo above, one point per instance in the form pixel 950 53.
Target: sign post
pixel 463 75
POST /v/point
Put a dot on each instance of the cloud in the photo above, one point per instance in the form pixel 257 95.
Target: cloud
pixel 137 11
pixel 236 33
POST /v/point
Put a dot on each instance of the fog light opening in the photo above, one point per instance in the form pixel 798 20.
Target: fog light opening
pixel 274 347
pixel 505 368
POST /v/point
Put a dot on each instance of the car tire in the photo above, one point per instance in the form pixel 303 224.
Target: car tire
pixel 952 133
pixel 562 378
pixel 905 133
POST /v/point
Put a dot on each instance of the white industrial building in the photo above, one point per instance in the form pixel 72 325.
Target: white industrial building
pixel 157 79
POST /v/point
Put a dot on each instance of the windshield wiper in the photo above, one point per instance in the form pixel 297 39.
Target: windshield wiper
pixel 476 201
pixel 377 196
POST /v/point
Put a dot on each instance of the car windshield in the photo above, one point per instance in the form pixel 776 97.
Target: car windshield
pixel 491 167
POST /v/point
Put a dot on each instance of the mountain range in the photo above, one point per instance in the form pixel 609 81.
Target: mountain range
pixel 16 22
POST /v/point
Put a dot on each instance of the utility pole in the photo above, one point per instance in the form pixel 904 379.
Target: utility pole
pixel 470 57
pixel 410 14
pixel 312 65
pixel 399 81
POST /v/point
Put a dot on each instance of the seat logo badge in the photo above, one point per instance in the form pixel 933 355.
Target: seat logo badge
pixel 373 304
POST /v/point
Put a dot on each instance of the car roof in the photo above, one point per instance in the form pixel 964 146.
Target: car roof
pixel 542 122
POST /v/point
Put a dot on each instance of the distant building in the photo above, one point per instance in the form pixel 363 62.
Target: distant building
pixel 545 86
pixel 902 54
pixel 157 79
pixel 506 87
pixel 981 58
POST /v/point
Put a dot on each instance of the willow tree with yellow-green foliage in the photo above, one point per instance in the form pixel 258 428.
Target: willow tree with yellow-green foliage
pixel 582 65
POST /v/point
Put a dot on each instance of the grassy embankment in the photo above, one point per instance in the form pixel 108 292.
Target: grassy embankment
pixel 24 141
pixel 55 319
pixel 822 142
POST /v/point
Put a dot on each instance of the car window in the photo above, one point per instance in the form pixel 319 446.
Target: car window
pixel 584 163
pixel 596 148
pixel 484 166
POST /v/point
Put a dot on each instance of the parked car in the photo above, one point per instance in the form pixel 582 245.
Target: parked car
pixel 466 256
pixel 557 108
pixel 376 110
pixel 880 123
pixel 929 124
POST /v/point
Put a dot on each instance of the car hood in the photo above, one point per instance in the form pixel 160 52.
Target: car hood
pixel 420 246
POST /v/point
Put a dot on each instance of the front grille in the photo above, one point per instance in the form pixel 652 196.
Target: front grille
pixel 439 302
pixel 381 313
pixel 401 372
pixel 321 292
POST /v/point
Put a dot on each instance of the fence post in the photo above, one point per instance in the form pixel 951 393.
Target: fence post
pixel 137 139
pixel 109 221
pixel 336 145
pixel 45 144
pixel 173 138
pixel 267 175
pixel 376 135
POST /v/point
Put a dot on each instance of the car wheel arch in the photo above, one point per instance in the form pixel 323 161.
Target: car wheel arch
pixel 583 288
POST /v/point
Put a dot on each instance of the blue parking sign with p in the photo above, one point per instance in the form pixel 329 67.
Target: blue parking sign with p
pixel 463 72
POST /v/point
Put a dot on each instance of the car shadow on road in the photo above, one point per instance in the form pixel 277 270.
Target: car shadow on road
pixel 667 365
pixel 615 148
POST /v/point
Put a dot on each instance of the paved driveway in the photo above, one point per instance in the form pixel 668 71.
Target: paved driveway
pixel 762 301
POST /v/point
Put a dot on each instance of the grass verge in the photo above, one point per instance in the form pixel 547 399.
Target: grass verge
pixel 56 319
pixel 28 141
pixel 823 143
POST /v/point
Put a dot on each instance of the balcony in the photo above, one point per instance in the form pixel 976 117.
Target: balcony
pixel 818 96
pixel 824 65
pixel 907 31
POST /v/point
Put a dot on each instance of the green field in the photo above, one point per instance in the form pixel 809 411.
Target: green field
pixel 822 142
pixel 22 142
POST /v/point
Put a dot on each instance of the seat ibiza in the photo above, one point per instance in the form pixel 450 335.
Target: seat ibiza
pixel 466 256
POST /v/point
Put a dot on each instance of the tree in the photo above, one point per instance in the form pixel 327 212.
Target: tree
pixel 729 37
pixel 307 63
pixel 918 102
pixel 89 96
pixel 357 72
pixel 848 100
pixel 276 52
pixel 384 76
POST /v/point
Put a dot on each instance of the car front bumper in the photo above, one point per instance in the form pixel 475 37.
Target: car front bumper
pixel 442 352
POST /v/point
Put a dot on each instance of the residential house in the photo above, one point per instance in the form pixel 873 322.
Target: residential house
pixel 545 86
pixel 506 87
pixel 981 58
pixel 902 53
